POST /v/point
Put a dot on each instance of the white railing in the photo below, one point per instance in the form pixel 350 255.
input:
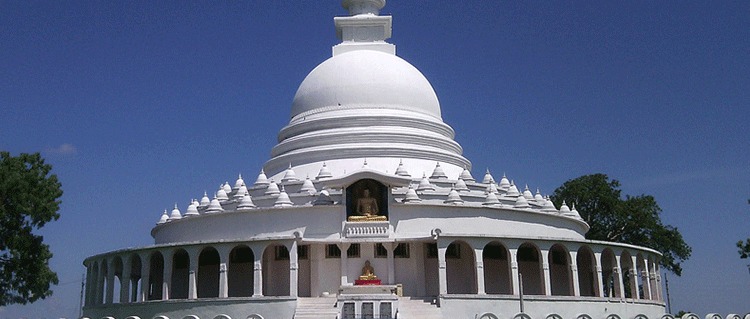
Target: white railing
pixel 366 229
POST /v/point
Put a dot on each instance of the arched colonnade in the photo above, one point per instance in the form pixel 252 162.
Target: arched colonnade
pixel 492 266
pixel 192 272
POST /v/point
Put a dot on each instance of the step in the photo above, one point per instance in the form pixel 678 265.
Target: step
pixel 415 307
pixel 316 308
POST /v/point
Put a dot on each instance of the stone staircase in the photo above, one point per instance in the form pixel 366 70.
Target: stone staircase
pixel 418 308
pixel 316 308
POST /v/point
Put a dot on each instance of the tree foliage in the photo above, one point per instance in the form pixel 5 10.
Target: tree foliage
pixel 29 198
pixel 744 248
pixel 633 219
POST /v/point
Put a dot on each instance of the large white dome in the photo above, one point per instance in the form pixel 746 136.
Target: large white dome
pixel 366 78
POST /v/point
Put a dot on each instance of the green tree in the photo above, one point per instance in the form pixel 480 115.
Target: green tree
pixel 29 198
pixel 632 220
pixel 744 248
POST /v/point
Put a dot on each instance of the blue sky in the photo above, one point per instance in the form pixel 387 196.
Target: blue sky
pixel 138 105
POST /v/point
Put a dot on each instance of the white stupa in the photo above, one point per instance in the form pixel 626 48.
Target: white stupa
pixel 368 209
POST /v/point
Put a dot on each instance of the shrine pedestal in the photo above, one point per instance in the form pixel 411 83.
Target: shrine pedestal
pixel 367 282
pixel 367 301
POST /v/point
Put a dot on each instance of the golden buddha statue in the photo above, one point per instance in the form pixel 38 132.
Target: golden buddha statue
pixel 368 273
pixel 367 209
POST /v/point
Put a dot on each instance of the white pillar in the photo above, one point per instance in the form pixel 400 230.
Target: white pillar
pixel 293 269
pixel 125 281
pixel 343 247
pixel 193 273
pixel 617 271
pixel 479 270
pixel 223 271
pixel 574 273
pixel 515 283
pixel 258 273
pixel 600 284
pixel 634 277
pixel 110 281
pixel 391 247
pixel 442 275
pixel 167 280
pixel 545 270
pixel 646 280
pixel 145 277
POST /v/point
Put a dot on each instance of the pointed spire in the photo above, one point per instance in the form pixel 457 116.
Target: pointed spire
pixel 487 177
pixel 283 199
pixel 424 184
pixel 289 175
pixel 466 175
pixel 272 189
pixel 240 192
pixel 192 209
pixel 205 200
pixel 215 206
pixel 221 194
pixel 324 172
pixel 491 199
pixel 521 202
pixel 491 188
pixel 504 183
pixel 549 206
pixel 564 208
pixel 527 193
pixel 175 213
pixel 238 183
pixel 513 190
pixel 574 213
pixel 461 185
pixel 454 197
pixel 262 179
pixel 400 170
pixel 411 196
pixel 164 218
pixel 246 203
pixel 308 187
pixel 438 172
pixel 538 197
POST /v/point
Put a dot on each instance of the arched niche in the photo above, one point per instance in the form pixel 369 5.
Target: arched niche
pixel 357 198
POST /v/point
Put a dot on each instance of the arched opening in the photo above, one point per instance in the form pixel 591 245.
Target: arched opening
pixel 496 269
pixel 240 277
pixel 587 279
pixel 208 273
pixel 180 274
pixel 629 279
pixel 276 271
pixel 459 268
pixel 117 279
pixel 135 277
pixel 561 280
pixel 156 276
pixel 530 268
pixel 369 191
pixel 611 284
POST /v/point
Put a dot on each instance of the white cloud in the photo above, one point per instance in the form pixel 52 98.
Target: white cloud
pixel 63 149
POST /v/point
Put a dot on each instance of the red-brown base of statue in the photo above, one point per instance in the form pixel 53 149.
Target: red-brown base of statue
pixel 366 282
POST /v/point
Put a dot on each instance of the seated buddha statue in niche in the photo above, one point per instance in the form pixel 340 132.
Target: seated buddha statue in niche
pixel 366 209
pixel 368 273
